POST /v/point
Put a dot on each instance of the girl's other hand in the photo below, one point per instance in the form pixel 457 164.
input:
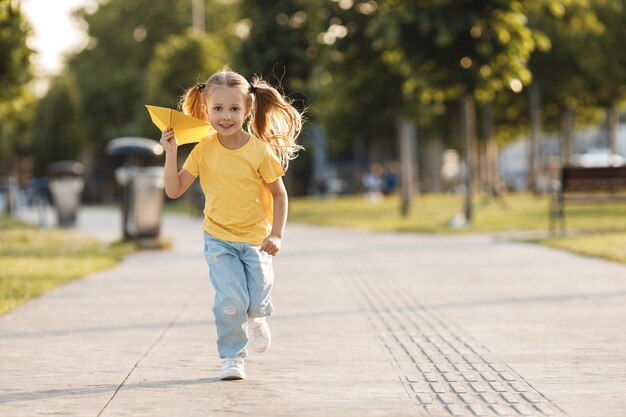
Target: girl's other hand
pixel 271 245
pixel 168 140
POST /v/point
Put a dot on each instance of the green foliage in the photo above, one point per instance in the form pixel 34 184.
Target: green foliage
pixel 571 27
pixel 275 42
pixel 111 71
pixel 17 124
pixel 15 68
pixel 446 48
pixel 604 63
pixel 58 132
pixel 565 76
pixel 119 70
pixel 416 59
pixel 15 73
pixel 178 63
pixel 356 96
pixel 355 64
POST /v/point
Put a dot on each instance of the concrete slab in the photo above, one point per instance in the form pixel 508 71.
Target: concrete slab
pixel 366 324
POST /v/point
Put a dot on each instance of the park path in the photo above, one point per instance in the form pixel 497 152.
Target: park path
pixel 366 324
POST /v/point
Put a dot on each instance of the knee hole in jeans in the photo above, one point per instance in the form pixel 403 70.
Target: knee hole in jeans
pixel 230 310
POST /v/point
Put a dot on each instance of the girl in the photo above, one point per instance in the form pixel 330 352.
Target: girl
pixel 245 201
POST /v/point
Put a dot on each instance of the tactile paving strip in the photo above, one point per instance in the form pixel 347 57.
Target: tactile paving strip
pixel 441 366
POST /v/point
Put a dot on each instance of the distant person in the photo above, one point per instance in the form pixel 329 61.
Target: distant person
pixel 451 170
pixel 39 192
pixel 373 183
pixel 245 207
pixel 391 178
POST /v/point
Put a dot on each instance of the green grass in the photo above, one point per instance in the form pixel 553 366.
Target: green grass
pixel 593 229
pixel 603 245
pixel 33 261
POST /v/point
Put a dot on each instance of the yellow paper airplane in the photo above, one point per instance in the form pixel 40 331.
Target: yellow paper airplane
pixel 186 128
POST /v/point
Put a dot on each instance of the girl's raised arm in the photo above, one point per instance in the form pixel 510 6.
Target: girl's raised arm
pixel 176 182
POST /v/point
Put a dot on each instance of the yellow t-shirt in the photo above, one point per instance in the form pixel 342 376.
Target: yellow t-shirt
pixel 239 205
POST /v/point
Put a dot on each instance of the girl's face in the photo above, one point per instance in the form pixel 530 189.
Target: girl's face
pixel 227 110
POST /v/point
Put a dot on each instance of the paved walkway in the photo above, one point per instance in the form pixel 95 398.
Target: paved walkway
pixel 366 324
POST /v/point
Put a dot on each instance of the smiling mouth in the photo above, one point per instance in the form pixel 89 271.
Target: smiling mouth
pixel 226 126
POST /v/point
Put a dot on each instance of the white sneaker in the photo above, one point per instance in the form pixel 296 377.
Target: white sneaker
pixel 259 334
pixel 232 368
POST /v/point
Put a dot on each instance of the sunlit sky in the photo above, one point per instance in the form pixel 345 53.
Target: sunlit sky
pixel 55 32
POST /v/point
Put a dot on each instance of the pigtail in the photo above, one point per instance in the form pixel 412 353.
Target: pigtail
pixel 275 120
pixel 193 103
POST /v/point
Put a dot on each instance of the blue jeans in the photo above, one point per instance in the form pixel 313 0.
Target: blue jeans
pixel 242 276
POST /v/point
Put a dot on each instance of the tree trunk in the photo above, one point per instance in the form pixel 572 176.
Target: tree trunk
pixel 475 155
pixel 613 120
pixel 535 132
pixel 431 165
pixel 407 136
pixel 567 130
pixel 491 149
pixel 359 151
pixel 466 105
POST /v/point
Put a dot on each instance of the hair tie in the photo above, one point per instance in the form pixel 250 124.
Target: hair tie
pixel 200 87
pixel 252 89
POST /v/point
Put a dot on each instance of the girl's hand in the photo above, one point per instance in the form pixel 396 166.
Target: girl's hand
pixel 271 245
pixel 168 141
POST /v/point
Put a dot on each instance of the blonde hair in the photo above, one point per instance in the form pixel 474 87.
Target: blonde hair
pixel 274 119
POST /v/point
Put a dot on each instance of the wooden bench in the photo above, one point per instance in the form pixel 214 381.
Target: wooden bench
pixel 585 185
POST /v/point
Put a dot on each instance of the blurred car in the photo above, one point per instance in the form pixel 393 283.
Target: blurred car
pixel 599 157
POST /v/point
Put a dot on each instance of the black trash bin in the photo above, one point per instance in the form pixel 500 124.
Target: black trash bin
pixel 66 185
pixel 142 187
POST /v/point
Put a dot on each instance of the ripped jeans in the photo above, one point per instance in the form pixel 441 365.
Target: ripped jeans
pixel 242 277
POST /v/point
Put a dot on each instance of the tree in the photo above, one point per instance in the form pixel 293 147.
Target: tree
pixel 178 63
pixel 606 70
pixel 15 67
pixel 58 132
pixel 356 95
pixel 15 73
pixel 111 72
pixel 557 72
pixel 274 42
pixel 455 50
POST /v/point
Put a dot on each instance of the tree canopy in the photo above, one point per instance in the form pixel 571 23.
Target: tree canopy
pixel 58 132
pixel 15 74
pixel 355 65
pixel 111 72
